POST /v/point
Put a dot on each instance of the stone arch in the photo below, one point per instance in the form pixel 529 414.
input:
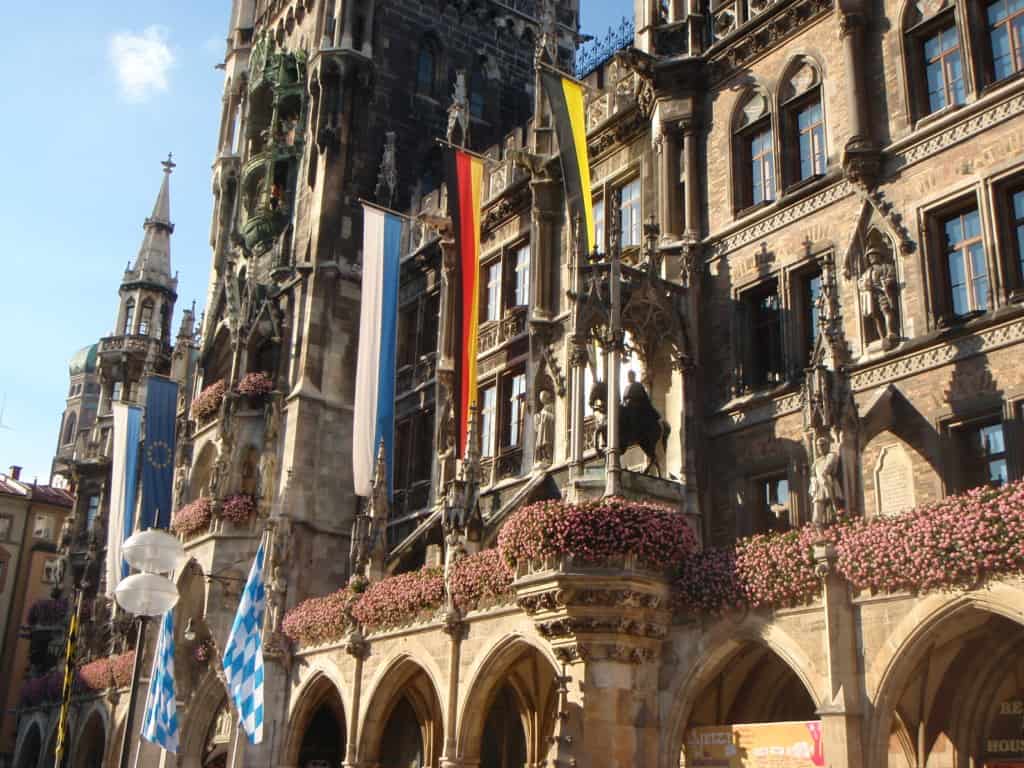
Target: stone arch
pixel 405 678
pixel 318 706
pixel 802 73
pixel 202 470
pixel 90 744
pixel 931 621
pixel 516 665
pixel 30 750
pixel 719 645
pixel 204 705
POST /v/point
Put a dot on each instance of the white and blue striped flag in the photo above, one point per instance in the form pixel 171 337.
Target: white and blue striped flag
pixel 243 655
pixel 160 721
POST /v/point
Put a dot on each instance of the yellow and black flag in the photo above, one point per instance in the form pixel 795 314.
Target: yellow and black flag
pixel 566 98
pixel 68 687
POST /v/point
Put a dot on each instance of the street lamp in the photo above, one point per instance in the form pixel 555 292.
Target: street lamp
pixel 145 594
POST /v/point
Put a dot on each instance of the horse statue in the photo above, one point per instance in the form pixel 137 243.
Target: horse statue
pixel 639 422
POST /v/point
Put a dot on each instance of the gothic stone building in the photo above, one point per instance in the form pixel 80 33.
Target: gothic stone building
pixel 816 210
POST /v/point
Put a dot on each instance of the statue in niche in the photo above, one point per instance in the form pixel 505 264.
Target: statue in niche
pixel 250 476
pixel 446 444
pixel 825 489
pixel 879 294
pixel 640 423
pixel 458 111
pixel 544 430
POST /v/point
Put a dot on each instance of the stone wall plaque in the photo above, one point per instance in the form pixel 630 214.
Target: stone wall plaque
pixel 894 481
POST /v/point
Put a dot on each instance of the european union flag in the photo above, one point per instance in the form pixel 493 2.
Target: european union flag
pixel 158 453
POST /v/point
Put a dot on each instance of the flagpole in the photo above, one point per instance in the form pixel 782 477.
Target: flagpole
pixel 126 735
pixel 60 757
pixel 385 209
pixel 489 160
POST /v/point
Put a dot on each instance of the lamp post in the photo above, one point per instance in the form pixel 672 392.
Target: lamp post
pixel 145 594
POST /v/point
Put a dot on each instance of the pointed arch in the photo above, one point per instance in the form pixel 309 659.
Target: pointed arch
pixel 404 688
pixel 753 154
pixel 91 743
pixel 128 325
pixel 318 728
pixel 30 749
pixel 801 120
pixel 721 644
pixel 515 673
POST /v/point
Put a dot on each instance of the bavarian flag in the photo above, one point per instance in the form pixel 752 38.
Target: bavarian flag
pixel 566 98
pixel 465 173
pixel 374 421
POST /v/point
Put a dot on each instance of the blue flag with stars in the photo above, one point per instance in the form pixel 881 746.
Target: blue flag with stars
pixel 243 654
pixel 158 453
pixel 160 721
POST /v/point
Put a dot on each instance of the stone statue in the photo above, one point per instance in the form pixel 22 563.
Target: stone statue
pixel 825 490
pixel 180 483
pixel 878 295
pixel 544 430
pixel 458 111
pixel 267 475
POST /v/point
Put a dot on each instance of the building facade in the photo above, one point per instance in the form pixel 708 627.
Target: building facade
pixel 808 228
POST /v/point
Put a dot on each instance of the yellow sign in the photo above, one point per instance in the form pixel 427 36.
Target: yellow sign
pixel 760 745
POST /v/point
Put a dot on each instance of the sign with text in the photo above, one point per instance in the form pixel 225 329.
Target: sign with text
pixel 759 745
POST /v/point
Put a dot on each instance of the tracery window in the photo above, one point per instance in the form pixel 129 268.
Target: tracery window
pixel 803 140
pixel 754 164
pixel 145 317
pixel 629 214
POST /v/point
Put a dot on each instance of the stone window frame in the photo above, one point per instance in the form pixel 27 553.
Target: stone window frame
pixel 754 112
pixel 5 566
pixel 1007 285
pixel 792 98
pixel 916 25
pixel 938 297
pixel 985 408
pixel 6 535
pixel 742 347
pixel 607 192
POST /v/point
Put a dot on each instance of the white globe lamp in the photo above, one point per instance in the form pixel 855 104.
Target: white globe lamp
pixel 153 551
pixel 146 594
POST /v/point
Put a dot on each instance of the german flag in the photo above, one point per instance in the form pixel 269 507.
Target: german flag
pixel 465 173
pixel 566 98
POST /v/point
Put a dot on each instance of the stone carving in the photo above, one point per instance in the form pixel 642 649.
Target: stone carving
pixel 387 177
pixel 825 489
pixel 458 111
pixel 879 294
pixel 640 423
pixel 544 430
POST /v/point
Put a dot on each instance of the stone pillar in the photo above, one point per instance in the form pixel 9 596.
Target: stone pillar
pixel 670 207
pixel 841 715
pixel 547 215
pixel 613 356
pixel 456 629
pixel 860 157
pixel 577 402
pixel 359 649
pixel 606 625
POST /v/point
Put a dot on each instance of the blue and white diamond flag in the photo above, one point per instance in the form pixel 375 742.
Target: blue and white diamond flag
pixel 243 655
pixel 160 722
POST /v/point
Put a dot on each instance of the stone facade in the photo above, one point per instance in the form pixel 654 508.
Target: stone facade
pixel 821 263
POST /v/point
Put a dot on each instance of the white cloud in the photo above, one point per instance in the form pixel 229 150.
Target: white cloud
pixel 142 62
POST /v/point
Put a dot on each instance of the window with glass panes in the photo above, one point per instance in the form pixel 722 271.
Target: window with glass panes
pixel 812 308
pixel 775 494
pixel 521 276
pixel 129 318
pixel 1017 200
pixel 982 455
pixel 943 68
pixel 488 419
pixel 764 344
pixel 760 165
pixel 492 292
pixel 598 244
pixel 629 211
pixel 145 318
pixel 965 259
pixel 515 408
pixel 810 126
pixel 1006 36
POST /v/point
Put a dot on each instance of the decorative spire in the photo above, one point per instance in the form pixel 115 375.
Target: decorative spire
pixel 153 264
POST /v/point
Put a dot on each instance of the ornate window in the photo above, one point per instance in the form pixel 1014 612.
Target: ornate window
pixel 520 277
pixel 129 318
pixel 762 308
pixel 1017 225
pixel 980 454
pixel 488 401
pixel 1006 36
pixel 514 409
pixel 934 60
pixel 754 181
pixel 803 123
pixel 629 214
pixel 491 309
pixel 599 243
pixel 146 318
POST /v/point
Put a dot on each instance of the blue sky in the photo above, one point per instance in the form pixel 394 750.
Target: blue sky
pixel 96 96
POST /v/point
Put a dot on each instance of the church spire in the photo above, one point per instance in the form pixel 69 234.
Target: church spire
pixel 153 264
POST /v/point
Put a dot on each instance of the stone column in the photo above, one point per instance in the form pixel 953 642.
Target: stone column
pixel 546 218
pixel 577 402
pixel 841 716
pixel 613 356
pixel 607 626
pixel 359 649
pixel 860 157
pixel 670 208
pixel 692 176
pixel 456 629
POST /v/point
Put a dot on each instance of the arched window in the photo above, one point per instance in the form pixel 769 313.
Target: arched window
pixel 146 317
pixel 803 124
pixel 426 70
pixel 129 317
pixel 477 94
pixel 754 153
pixel 69 429
pixel 935 66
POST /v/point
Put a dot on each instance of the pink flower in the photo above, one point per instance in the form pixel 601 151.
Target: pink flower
pixel 255 384
pixel 207 403
pixel 239 508
pixel 193 517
